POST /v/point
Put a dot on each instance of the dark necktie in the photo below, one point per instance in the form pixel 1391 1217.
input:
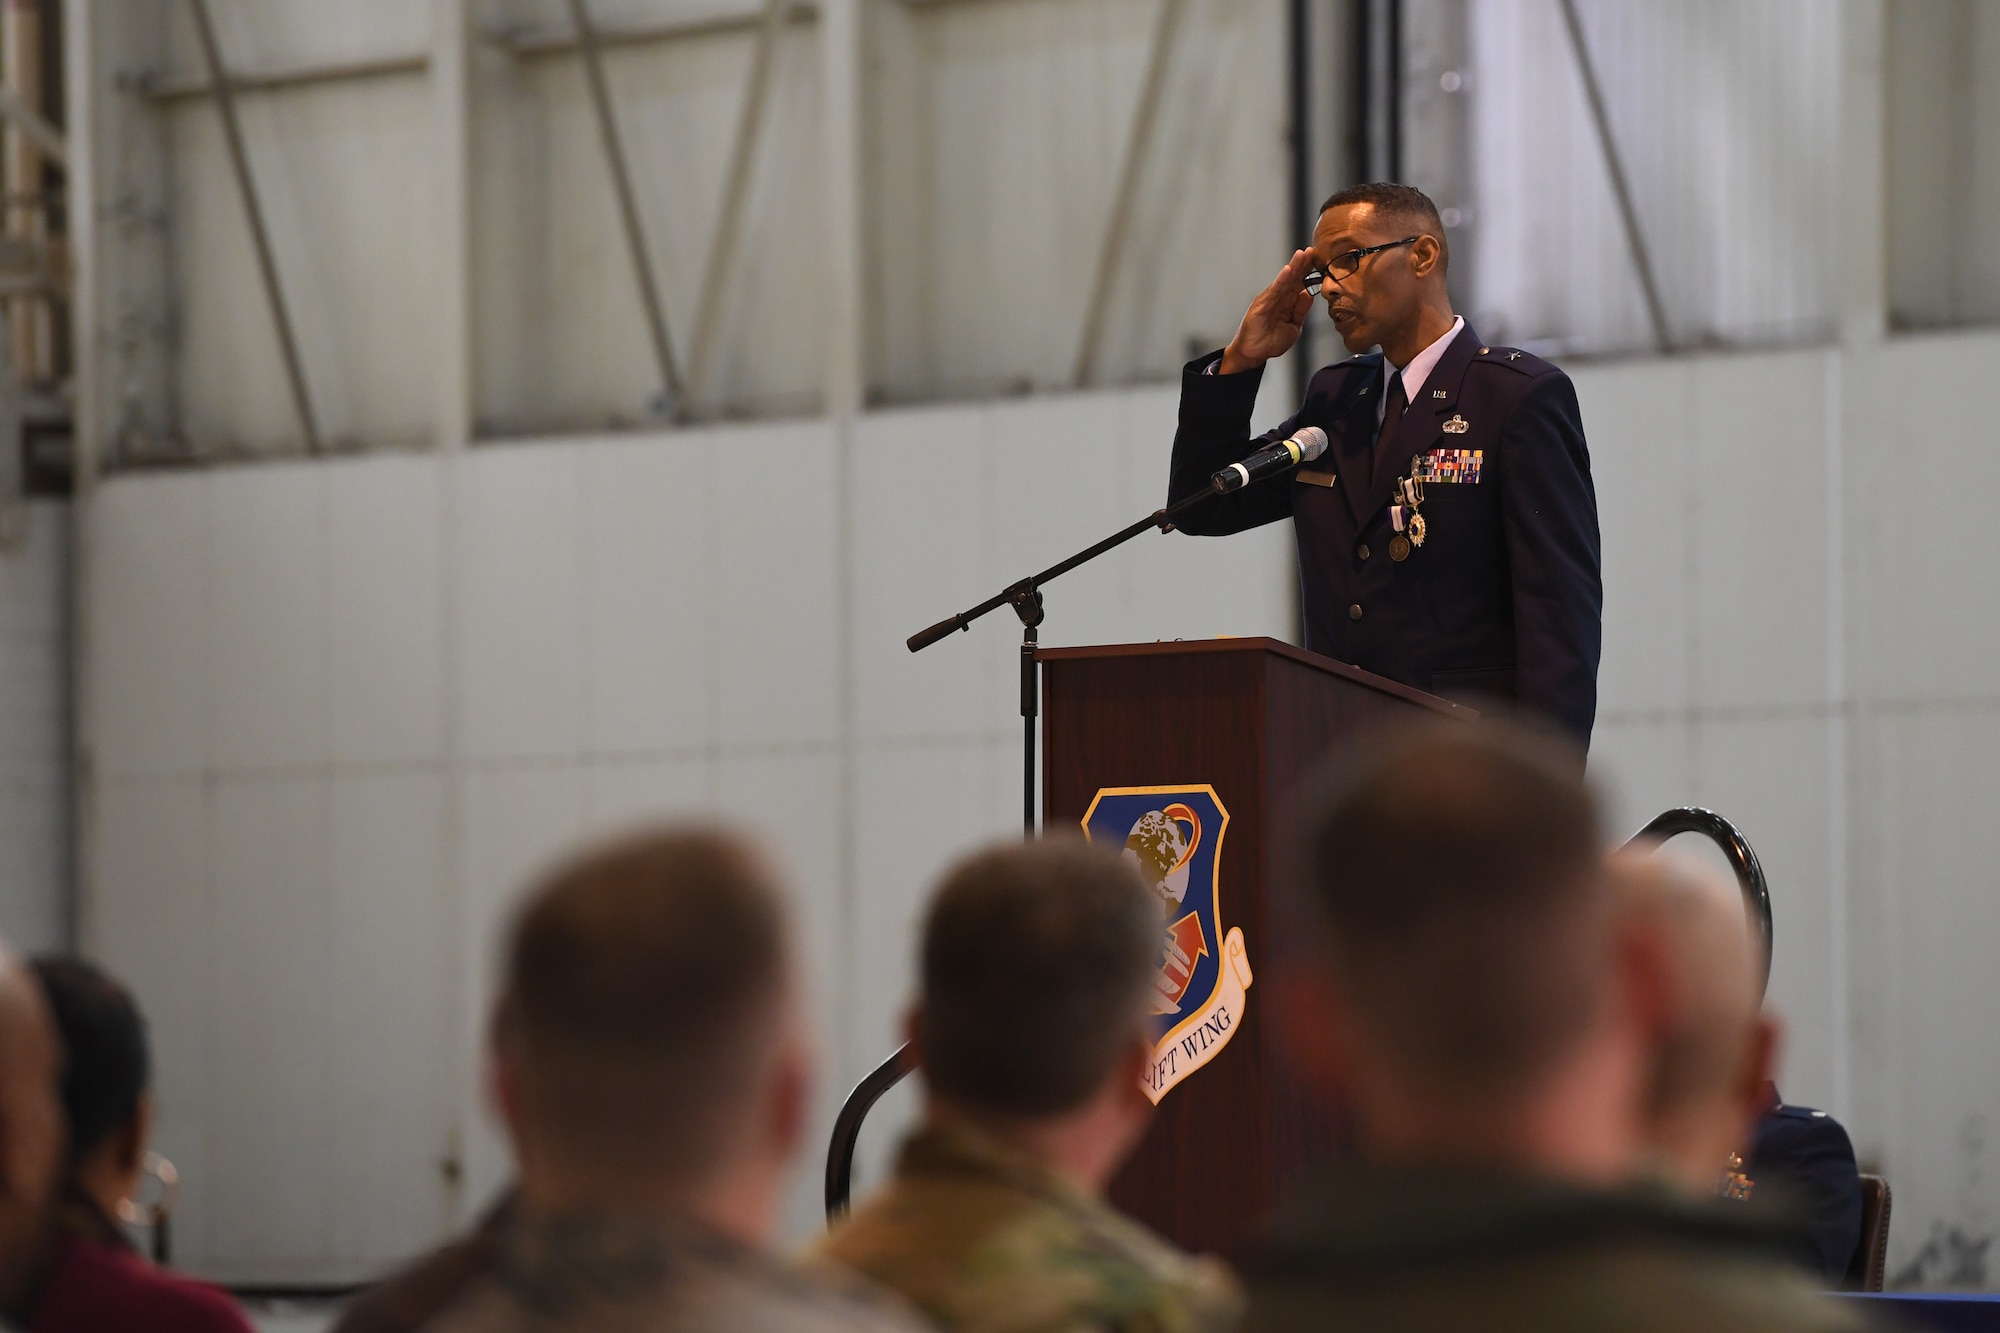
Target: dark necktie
pixel 1392 416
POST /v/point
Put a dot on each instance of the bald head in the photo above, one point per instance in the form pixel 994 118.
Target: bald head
pixel 31 1134
pixel 1712 1047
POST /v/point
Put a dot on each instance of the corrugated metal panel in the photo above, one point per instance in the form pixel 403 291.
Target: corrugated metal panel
pixel 560 333
pixel 1943 130
pixel 997 135
pixel 1725 114
pixel 343 172
pixel 994 142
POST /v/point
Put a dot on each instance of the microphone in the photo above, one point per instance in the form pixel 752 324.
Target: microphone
pixel 1308 443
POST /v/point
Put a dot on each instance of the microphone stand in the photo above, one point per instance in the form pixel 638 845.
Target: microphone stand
pixel 1026 599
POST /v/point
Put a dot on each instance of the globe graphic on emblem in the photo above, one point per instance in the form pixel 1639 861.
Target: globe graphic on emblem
pixel 1158 843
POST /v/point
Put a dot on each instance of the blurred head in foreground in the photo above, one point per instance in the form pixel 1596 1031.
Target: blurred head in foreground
pixel 94 1278
pixel 106 1079
pixel 1060 940
pixel 31 1132
pixel 1715 1048
pixel 1479 1003
pixel 649 1048
pixel 1503 1020
pixel 1033 1027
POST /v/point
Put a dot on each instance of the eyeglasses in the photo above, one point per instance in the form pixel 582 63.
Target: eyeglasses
pixel 1344 265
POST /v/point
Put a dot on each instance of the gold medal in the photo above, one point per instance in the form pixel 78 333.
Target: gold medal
pixel 1399 548
pixel 1416 529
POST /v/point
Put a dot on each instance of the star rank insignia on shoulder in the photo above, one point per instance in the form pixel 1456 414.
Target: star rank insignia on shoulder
pixel 1515 359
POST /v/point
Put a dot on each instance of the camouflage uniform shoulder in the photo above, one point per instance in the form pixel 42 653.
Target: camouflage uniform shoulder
pixel 1516 359
pixel 580 1273
pixel 992 1255
pixel 1079 1264
pixel 812 1295
pixel 697 1300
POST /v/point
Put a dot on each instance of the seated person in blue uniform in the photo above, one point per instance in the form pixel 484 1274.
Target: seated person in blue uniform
pixel 1448 535
pixel 1716 1122
pixel 1805 1155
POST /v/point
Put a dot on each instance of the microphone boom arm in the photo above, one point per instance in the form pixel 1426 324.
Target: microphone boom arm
pixel 1026 599
pixel 1023 593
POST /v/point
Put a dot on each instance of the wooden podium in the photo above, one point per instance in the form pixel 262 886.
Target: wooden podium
pixel 1249 720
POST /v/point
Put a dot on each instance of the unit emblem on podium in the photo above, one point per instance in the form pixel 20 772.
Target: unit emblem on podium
pixel 1174 836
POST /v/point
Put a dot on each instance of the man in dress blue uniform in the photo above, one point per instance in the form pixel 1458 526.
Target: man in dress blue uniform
pixel 1805 1157
pixel 1448 536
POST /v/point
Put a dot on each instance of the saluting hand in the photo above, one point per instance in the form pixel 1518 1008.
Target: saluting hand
pixel 1274 320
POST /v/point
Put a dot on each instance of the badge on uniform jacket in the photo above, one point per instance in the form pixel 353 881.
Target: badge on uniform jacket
pixel 1174 836
pixel 1449 465
pixel 1734 1183
pixel 1457 425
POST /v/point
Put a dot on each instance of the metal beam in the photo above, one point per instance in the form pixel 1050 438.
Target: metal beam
pixel 45 136
pixel 88 345
pixel 530 43
pixel 1381 89
pixel 920 6
pixel 735 194
pixel 1128 185
pixel 451 105
pixel 157 89
pixel 840 250
pixel 1298 41
pixel 1614 167
pixel 267 267
pixel 17 284
pixel 628 206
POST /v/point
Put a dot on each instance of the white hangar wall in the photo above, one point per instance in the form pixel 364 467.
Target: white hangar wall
pixel 342 710
pixel 335 712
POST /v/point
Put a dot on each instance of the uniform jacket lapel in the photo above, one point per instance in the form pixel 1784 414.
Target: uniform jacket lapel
pixel 1423 421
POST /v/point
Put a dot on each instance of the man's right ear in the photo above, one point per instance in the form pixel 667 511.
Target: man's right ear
pixel 1425 255
pixel 913 1036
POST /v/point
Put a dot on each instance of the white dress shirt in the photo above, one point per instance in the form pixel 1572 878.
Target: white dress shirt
pixel 1420 368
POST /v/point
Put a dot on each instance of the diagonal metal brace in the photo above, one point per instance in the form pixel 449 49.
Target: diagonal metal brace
pixel 260 237
pixel 1621 188
pixel 672 397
